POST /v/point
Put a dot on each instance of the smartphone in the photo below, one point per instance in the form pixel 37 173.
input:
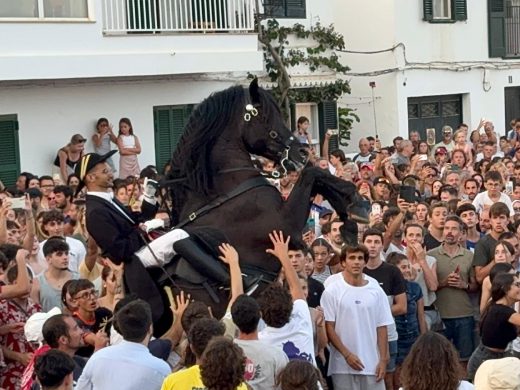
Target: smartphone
pixel 455 168
pixel 457 270
pixel 309 227
pixel 407 193
pixel 509 187
pixel 17 203
pixel 423 157
pixel 376 209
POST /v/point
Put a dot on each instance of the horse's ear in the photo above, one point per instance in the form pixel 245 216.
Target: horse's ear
pixel 254 91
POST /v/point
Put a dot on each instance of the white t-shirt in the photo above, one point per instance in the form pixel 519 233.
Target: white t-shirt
pixel 428 296
pixel 295 338
pixel 482 199
pixel 77 253
pixel 339 276
pixel 357 313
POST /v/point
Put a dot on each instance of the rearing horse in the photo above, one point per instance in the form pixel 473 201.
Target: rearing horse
pixel 213 158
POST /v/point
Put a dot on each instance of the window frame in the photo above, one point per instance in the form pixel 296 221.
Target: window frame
pixel 41 18
pixel 449 10
pixel 458 11
pixel 284 5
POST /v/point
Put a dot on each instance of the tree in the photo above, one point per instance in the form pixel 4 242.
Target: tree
pixel 320 55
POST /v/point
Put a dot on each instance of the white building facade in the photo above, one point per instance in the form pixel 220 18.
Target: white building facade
pixel 452 61
pixel 66 63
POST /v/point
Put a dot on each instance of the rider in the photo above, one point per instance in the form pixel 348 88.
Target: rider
pixel 117 231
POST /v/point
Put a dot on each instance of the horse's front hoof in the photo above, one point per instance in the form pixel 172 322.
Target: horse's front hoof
pixel 349 232
pixel 359 214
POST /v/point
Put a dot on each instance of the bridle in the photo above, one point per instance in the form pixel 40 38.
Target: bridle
pixel 285 142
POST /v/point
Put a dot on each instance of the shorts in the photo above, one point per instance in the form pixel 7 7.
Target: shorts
pixel 460 332
pixel 356 382
pixel 392 351
pixel 403 348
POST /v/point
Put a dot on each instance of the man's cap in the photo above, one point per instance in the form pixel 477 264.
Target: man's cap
pixel 87 163
pixel 34 193
pixel 325 212
pixel 366 165
pixel 441 150
pixel 383 180
pixel 498 374
pixel 77 139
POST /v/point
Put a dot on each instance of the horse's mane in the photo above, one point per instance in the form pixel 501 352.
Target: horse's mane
pixel 192 157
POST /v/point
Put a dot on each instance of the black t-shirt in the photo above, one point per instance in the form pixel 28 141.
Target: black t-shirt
pixel 431 242
pixel 484 251
pixel 496 330
pixel 389 277
pixel 102 316
pixel 315 290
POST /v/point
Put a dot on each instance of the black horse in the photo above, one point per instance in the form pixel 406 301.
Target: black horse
pixel 212 165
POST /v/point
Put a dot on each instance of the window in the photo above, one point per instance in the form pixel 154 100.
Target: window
pixel 285 8
pixel 441 9
pixel 310 111
pixel 445 11
pixel 44 9
pixel 504 28
pixel 9 149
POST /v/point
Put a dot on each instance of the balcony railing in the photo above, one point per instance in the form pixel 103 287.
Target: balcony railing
pixel 512 26
pixel 173 16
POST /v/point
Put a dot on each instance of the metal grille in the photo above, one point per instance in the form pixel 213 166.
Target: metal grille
pixel 450 108
pixel 512 26
pixel 430 110
pixel 413 111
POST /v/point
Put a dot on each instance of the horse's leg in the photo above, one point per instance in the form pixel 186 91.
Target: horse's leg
pixel 341 194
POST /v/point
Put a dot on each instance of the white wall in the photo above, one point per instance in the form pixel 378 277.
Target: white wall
pixel 60 50
pixel 49 116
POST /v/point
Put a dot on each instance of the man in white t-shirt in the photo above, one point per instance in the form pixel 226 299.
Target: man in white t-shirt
pixel 493 183
pixel 286 314
pixel 356 323
pixel 52 225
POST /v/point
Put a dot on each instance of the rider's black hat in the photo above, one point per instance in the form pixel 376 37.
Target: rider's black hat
pixel 87 163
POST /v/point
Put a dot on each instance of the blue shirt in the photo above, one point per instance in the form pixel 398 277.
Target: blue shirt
pixel 407 324
pixel 127 365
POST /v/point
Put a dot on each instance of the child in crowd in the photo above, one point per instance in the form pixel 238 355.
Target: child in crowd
pixel 129 147
pixel 412 324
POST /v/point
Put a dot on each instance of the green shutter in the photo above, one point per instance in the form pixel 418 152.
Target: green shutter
pixel 496 28
pixel 295 8
pixel 460 10
pixel 428 10
pixel 9 150
pixel 328 119
pixel 169 123
pixel 274 8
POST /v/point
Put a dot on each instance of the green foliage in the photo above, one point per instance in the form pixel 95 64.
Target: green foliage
pixel 347 116
pixel 278 57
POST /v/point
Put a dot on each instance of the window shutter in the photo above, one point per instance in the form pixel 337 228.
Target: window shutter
pixel 274 8
pixel 9 150
pixel 460 10
pixel 328 119
pixel 496 28
pixel 169 123
pixel 295 8
pixel 427 10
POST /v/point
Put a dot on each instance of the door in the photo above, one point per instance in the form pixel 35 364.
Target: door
pixel 169 123
pixel 434 111
pixel 9 150
pixel 512 104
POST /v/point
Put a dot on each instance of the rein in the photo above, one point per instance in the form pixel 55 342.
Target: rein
pixel 242 188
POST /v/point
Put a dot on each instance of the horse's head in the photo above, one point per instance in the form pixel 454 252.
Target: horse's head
pixel 266 134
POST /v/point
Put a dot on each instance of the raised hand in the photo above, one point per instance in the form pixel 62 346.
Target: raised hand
pixel 229 254
pixel 280 246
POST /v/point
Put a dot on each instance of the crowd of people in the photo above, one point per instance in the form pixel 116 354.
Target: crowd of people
pixel 427 298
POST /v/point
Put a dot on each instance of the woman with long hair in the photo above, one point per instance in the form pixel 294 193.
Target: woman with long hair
pixel 302 125
pixel 68 156
pixel 299 375
pixel 129 148
pixel 498 322
pixel 433 364
pixel 102 138
pixel 322 253
pixel 112 282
